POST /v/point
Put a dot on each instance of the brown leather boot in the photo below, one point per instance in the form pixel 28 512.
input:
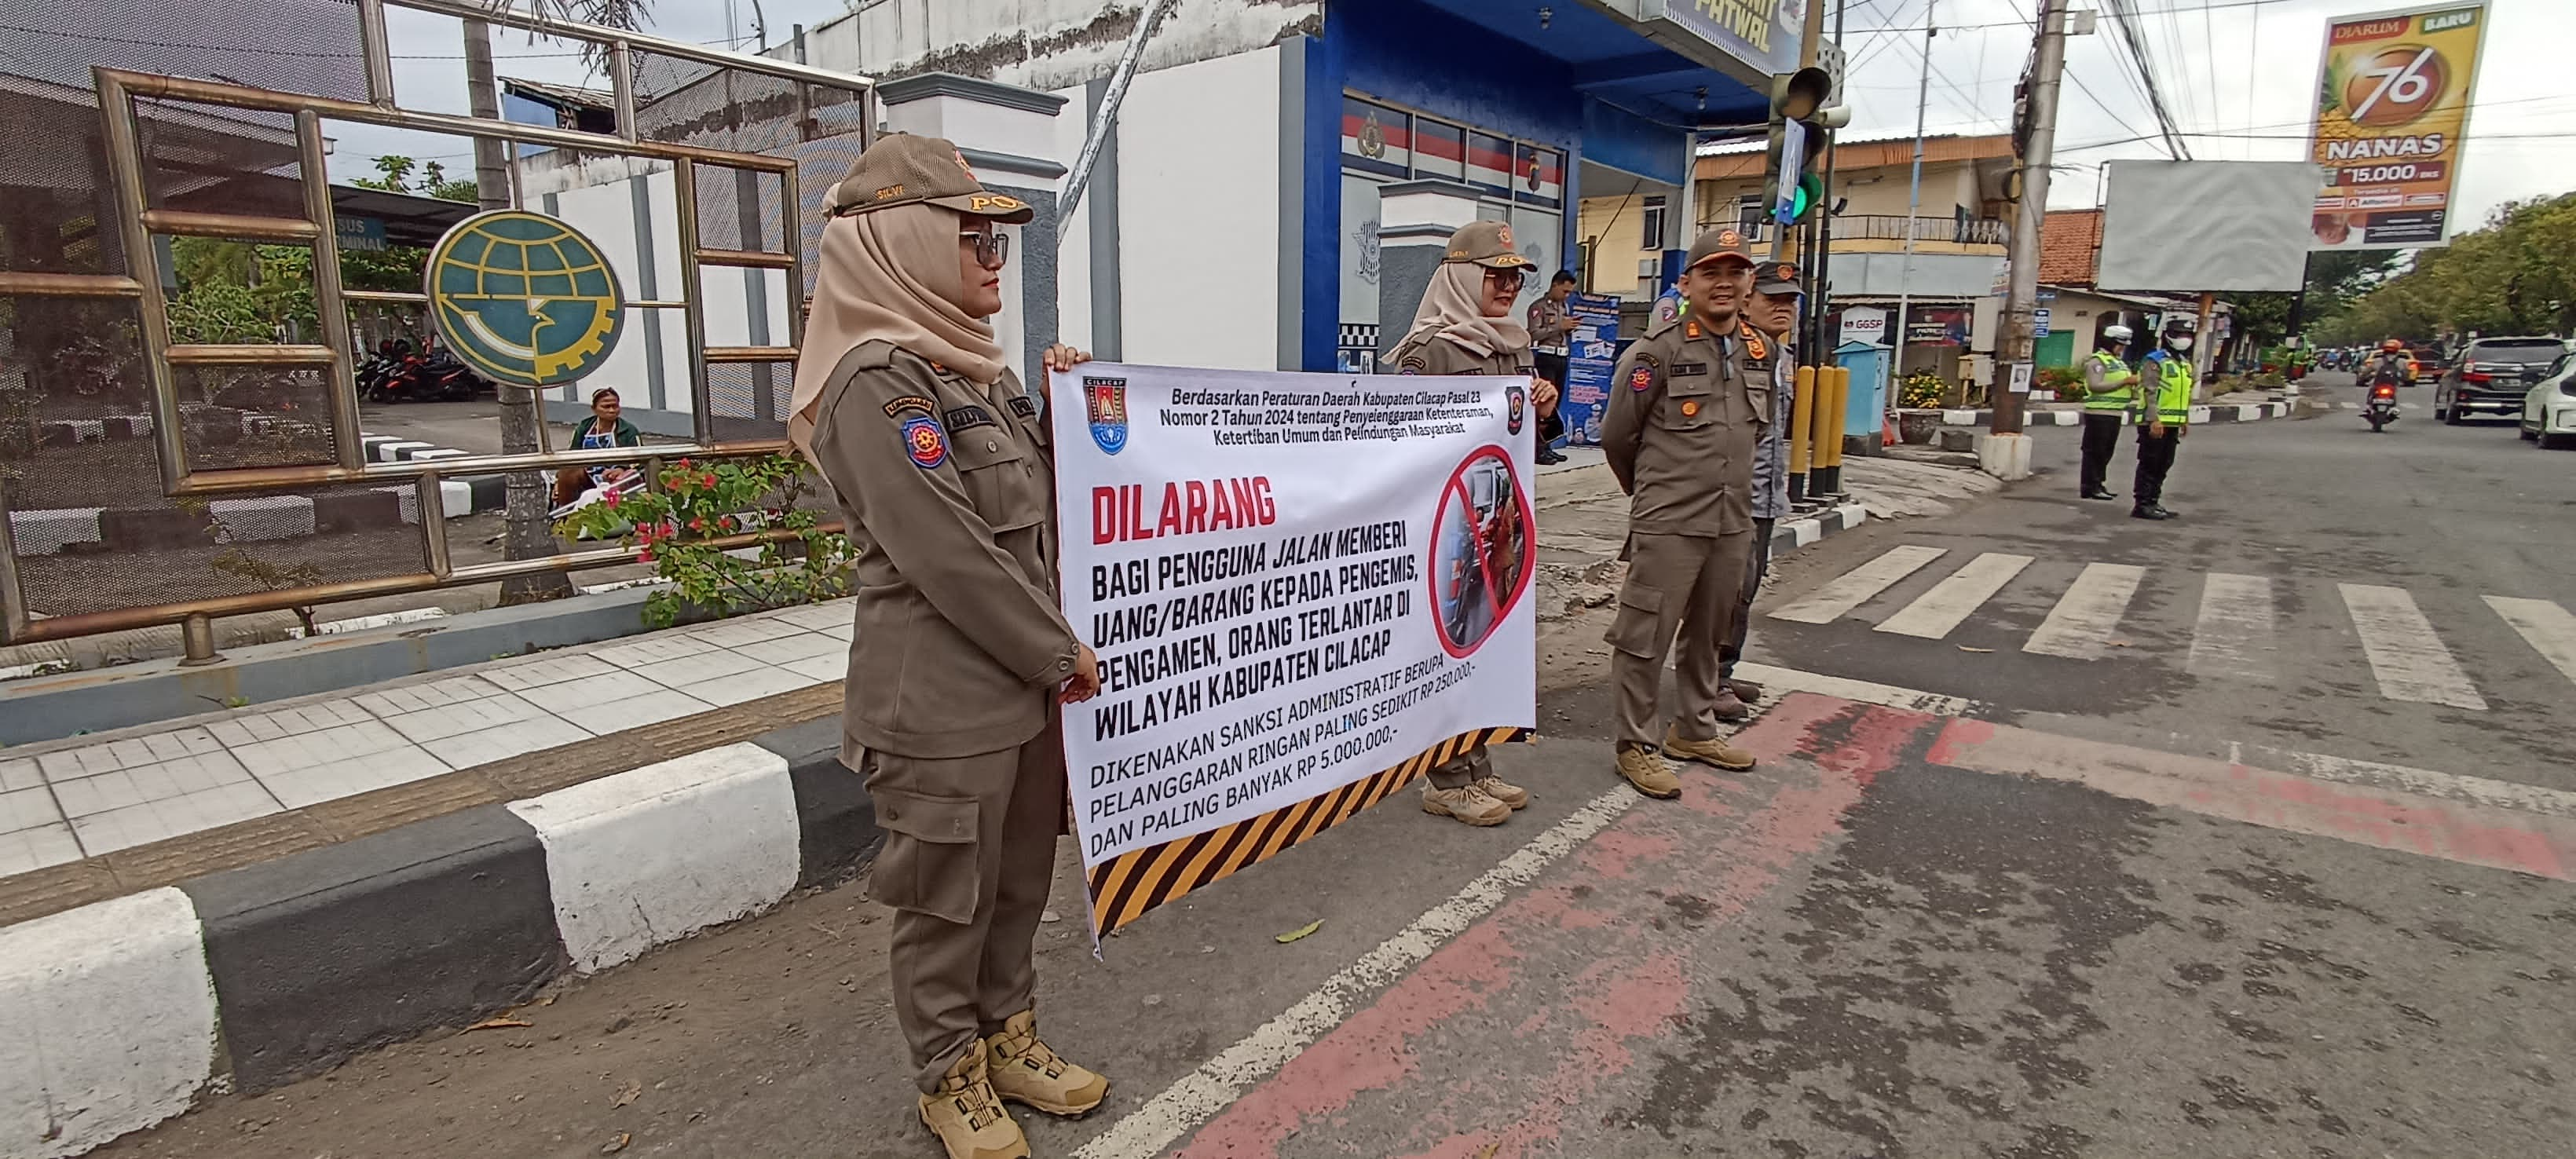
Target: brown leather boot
pixel 1708 752
pixel 1030 1073
pixel 1648 773
pixel 967 1115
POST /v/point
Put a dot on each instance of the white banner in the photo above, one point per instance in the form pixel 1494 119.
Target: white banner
pixel 1294 581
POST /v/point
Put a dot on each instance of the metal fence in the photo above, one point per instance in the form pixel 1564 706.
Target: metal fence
pixel 132 465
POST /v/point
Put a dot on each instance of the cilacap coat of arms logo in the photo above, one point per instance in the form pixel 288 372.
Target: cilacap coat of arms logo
pixel 1105 401
pixel 524 298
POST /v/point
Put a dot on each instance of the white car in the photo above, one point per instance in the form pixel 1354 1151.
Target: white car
pixel 2549 410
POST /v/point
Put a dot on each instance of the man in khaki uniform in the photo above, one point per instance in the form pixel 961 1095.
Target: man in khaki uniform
pixel 960 654
pixel 1686 409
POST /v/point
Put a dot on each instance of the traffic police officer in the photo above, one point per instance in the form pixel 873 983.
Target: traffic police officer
pixel 1464 326
pixel 960 655
pixel 2164 414
pixel 2109 394
pixel 1686 409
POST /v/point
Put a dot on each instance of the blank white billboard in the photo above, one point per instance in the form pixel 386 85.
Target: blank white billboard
pixel 2186 227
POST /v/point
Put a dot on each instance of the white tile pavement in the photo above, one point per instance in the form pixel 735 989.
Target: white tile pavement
pixel 79 798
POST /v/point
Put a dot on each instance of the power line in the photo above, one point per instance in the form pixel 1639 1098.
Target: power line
pixel 2122 17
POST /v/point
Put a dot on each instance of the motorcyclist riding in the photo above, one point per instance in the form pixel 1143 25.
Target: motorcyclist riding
pixel 2392 359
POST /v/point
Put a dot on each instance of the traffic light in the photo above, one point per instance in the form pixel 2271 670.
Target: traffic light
pixel 1801 120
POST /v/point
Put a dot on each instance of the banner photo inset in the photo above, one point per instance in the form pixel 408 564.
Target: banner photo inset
pixel 1305 590
pixel 2392 115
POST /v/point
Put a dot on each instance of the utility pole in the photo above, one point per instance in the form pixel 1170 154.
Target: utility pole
pixel 2011 459
pixel 1913 207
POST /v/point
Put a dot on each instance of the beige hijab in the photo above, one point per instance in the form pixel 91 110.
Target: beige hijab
pixel 1453 309
pixel 891 274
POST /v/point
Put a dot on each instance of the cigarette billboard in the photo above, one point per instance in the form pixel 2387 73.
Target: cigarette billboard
pixel 2392 111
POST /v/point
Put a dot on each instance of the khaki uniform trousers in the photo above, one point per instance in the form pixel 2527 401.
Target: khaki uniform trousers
pixel 1680 599
pixel 968 859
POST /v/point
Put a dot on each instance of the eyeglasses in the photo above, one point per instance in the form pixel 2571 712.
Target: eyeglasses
pixel 992 249
pixel 1508 277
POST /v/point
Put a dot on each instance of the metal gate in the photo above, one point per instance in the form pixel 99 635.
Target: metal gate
pixel 326 459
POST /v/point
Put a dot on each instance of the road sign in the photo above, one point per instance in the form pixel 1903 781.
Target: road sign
pixel 2039 322
pixel 1793 158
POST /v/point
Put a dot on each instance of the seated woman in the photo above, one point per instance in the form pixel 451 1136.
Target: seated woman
pixel 602 427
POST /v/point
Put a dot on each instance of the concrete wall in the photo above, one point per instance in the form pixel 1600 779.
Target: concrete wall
pixel 1198 210
pixel 1051 45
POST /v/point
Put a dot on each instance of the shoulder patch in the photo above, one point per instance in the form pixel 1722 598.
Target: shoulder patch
pixel 968 416
pixel 1021 406
pixel 1690 329
pixel 896 406
pixel 1754 345
pixel 1412 364
pixel 925 442
pixel 1643 377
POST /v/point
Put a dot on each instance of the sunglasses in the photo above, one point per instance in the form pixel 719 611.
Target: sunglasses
pixel 992 249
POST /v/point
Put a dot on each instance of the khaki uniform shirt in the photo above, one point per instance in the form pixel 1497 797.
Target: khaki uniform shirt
pixel 1686 409
pixel 948 494
pixel 1438 355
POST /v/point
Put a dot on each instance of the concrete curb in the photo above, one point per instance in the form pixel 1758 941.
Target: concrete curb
pixel 256 977
pixel 2233 412
pixel 1789 535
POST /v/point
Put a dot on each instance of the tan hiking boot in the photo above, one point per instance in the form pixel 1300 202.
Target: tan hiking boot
pixel 1466 803
pixel 1729 707
pixel 1030 1073
pixel 1708 752
pixel 1512 796
pixel 968 1117
pixel 1648 772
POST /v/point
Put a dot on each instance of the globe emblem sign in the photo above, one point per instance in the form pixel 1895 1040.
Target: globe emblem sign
pixel 524 298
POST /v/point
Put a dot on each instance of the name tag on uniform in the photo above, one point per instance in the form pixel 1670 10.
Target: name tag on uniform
pixel 969 416
pixel 1689 369
pixel 1023 408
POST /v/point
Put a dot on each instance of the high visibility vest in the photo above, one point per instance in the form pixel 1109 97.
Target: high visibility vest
pixel 2170 388
pixel 2117 380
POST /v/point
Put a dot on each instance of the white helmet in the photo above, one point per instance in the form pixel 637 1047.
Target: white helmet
pixel 2116 332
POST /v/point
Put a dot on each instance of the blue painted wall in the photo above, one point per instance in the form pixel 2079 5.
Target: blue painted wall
pixel 1412 54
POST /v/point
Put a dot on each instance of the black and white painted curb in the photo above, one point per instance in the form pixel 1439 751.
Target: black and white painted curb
pixel 2218 413
pixel 50 531
pixel 1789 535
pixel 127 1010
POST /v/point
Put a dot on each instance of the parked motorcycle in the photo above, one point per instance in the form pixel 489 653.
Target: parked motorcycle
pixel 444 377
pixel 389 374
pixel 2381 408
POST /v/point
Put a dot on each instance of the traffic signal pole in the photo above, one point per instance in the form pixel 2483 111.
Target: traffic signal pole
pixel 2008 452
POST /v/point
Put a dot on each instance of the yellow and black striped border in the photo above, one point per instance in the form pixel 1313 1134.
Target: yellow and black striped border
pixel 1125 886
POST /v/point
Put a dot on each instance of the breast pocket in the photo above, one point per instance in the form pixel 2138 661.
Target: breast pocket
pixel 1001 478
pixel 1689 404
pixel 1760 394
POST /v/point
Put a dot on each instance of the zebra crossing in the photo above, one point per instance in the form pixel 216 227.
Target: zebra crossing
pixel 2236 624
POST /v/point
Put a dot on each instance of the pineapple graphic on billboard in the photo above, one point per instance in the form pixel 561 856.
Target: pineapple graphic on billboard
pixel 2392 112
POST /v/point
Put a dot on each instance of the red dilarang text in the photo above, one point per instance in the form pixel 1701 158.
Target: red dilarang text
pixel 1190 507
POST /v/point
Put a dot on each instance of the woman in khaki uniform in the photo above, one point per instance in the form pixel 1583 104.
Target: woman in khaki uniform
pixel 1463 327
pixel 960 655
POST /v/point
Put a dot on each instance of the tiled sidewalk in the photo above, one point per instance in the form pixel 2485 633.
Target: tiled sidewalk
pixel 69 800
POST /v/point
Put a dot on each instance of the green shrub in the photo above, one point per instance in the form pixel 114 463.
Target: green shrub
pixel 681 527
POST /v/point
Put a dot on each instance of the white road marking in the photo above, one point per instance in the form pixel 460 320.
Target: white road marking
pixel 2233 636
pixel 1777 680
pixel 2405 655
pixel 2080 626
pixel 1933 614
pixel 1199 1096
pixel 2545 626
pixel 1854 588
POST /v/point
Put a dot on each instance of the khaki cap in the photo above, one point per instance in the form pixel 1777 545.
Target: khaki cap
pixel 1775 278
pixel 1488 244
pixel 904 169
pixel 1724 242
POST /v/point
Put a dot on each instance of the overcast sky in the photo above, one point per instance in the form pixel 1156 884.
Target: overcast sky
pixel 2241 73
pixel 2244 73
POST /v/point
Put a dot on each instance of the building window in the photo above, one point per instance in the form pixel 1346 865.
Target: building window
pixel 1749 216
pixel 1654 217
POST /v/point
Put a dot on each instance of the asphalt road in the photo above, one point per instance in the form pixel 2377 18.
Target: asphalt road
pixel 1976 901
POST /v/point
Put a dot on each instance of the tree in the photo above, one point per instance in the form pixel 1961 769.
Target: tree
pixel 528 535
